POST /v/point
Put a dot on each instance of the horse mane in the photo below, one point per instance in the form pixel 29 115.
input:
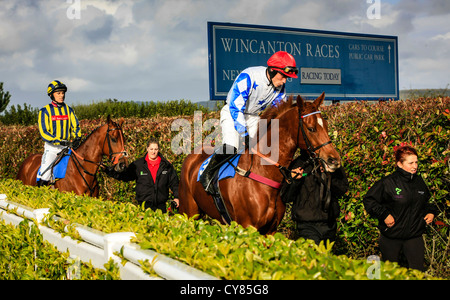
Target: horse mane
pixel 85 138
pixel 93 131
pixel 275 111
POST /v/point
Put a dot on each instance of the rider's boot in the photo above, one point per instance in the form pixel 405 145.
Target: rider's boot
pixel 43 183
pixel 206 179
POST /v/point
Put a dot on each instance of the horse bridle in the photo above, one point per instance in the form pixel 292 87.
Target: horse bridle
pixel 122 153
pixel 317 162
pixel 311 150
pixel 119 154
pixel 111 154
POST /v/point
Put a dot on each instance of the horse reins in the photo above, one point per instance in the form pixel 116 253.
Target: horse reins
pixel 78 157
pixel 284 170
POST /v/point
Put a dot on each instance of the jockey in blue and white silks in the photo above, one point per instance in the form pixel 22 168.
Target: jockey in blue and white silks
pixel 250 95
pixel 253 91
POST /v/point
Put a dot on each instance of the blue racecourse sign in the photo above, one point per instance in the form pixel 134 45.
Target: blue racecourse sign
pixel 347 66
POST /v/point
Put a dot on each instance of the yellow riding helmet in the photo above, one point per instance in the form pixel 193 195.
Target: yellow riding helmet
pixel 54 86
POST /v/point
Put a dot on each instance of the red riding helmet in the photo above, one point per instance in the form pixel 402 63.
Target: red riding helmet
pixel 284 63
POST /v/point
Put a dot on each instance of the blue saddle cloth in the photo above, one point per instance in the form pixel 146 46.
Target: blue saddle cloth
pixel 227 170
pixel 59 170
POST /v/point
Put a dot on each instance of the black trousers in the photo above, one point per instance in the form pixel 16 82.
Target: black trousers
pixel 413 249
pixel 317 231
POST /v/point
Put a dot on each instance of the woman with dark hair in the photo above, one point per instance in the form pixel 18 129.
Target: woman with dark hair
pixel 154 176
pixel 400 202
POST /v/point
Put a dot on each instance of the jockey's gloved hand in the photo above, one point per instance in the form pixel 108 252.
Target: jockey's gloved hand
pixel 76 143
pixel 109 170
pixel 65 143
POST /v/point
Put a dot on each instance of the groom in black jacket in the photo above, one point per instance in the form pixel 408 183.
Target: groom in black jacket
pixel 315 195
pixel 154 176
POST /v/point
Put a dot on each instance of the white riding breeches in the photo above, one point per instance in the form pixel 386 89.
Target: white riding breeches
pixel 50 153
pixel 229 134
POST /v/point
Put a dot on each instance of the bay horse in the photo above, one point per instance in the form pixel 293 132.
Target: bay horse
pixel 84 161
pixel 249 202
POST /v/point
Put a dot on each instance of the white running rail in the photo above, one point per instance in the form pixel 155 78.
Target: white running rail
pixel 98 247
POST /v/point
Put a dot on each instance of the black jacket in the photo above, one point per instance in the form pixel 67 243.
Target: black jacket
pixel 404 196
pixel 305 193
pixel 155 195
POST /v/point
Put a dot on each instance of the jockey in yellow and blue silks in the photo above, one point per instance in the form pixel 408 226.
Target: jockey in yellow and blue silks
pixel 58 125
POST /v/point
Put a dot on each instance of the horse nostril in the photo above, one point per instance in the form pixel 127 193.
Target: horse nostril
pixel 333 161
pixel 120 167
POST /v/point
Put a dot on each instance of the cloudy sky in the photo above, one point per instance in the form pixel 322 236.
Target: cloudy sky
pixel 156 50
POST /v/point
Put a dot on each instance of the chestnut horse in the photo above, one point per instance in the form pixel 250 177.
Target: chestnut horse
pixel 84 161
pixel 249 202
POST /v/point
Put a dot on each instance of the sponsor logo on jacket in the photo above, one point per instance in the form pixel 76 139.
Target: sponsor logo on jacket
pixel 60 118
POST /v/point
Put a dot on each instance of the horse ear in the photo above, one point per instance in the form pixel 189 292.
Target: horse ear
pixel 319 101
pixel 121 122
pixel 300 102
pixel 108 119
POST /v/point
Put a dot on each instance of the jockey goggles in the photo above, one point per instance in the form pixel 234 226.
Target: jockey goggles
pixel 287 69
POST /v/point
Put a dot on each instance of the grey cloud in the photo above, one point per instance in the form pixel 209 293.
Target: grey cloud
pixel 428 7
pixel 99 30
pixel 157 49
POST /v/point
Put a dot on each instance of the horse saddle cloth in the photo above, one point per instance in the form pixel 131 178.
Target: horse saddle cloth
pixel 227 170
pixel 59 166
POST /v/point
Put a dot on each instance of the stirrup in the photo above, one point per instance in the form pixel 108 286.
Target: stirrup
pixel 207 178
pixel 210 187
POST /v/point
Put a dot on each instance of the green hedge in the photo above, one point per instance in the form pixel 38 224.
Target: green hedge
pixel 24 255
pixel 227 252
pixel 363 133
pixel 101 109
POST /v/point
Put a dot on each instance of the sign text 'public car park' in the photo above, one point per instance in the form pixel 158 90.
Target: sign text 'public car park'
pixel 346 66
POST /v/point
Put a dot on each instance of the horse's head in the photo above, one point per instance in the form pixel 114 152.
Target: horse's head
pixel 313 133
pixel 114 144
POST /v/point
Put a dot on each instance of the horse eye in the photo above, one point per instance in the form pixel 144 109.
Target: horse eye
pixel 113 139
pixel 312 129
